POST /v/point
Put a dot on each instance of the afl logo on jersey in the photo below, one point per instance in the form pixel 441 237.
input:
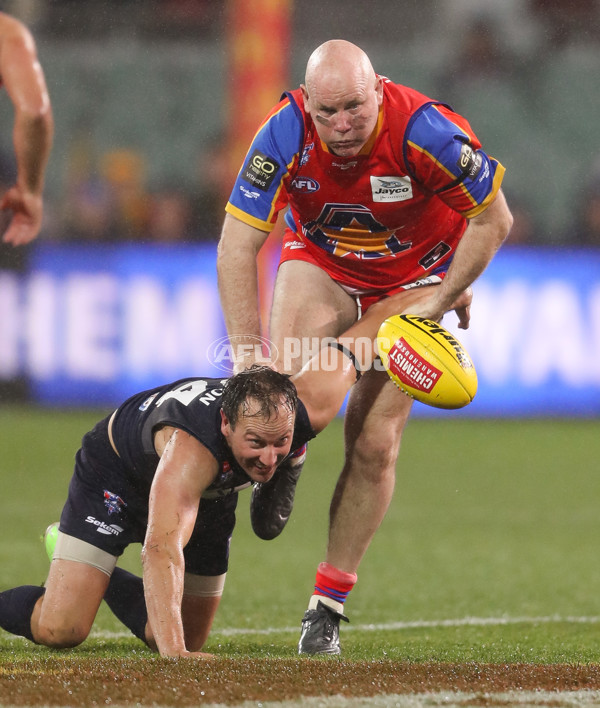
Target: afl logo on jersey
pixel 305 184
pixel 391 189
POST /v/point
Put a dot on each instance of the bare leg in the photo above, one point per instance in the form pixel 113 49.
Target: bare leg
pixel 376 415
pixel 198 614
pixel 64 615
pixel 375 418
pixel 307 306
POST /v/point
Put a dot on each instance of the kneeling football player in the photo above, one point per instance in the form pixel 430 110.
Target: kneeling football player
pixel 165 470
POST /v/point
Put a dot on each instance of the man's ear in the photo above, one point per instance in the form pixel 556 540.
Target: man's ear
pixel 379 90
pixel 305 97
pixel 225 425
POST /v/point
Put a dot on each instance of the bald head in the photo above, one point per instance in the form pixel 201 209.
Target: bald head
pixel 342 93
pixel 338 60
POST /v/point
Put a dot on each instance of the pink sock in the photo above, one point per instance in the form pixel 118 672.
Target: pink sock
pixel 333 583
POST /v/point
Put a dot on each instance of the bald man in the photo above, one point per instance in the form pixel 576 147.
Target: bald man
pixel 23 78
pixel 388 193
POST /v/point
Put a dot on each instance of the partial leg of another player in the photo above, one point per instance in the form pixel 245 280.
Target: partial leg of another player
pixel 307 306
pixel 272 502
pixel 375 418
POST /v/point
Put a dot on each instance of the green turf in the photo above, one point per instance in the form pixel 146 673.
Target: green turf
pixel 491 519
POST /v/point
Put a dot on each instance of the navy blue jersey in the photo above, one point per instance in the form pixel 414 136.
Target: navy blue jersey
pixel 193 405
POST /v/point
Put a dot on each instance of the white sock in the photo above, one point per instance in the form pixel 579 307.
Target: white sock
pixel 334 604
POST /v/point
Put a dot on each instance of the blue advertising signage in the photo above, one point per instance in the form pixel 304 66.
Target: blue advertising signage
pixel 535 334
pixel 89 325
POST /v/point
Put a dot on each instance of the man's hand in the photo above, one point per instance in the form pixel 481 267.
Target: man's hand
pixel 27 211
pixel 483 237
pixel 248 350
pixel 430 309
pixel 462 307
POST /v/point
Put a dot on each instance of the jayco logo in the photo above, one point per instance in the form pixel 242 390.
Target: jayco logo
pixel 391 189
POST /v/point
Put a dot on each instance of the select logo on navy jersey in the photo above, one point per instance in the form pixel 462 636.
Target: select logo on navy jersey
pixel 305 184
pixel 469 161
pixel 260 170
pixel 106 529
pixel 391 189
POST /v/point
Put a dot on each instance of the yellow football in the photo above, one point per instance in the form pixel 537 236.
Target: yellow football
pixel 426 361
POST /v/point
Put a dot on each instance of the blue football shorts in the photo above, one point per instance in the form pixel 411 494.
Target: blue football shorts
pixel 107 508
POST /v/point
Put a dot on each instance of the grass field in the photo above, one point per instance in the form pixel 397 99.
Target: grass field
pixel 488 555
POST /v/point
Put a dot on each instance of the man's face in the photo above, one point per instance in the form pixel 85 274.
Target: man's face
pixel 259 444
pixel 344 112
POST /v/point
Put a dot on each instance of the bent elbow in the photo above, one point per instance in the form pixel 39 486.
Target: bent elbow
pixel 506 225
pixel 504 230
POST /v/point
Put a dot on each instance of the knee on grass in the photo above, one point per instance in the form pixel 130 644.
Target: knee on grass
pixel 61 636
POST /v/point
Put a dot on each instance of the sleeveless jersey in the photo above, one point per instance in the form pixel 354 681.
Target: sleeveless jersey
pixel 391 215
pixel 193 405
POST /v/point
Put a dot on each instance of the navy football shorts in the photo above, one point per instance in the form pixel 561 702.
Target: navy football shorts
pixel 107 509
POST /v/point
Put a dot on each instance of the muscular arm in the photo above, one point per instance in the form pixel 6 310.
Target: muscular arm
pixel 483 237
pixel 186 468
pixel 324 381
pixel 238 281
pixel 33 130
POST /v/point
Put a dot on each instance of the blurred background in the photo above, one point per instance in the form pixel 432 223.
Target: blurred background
pixel 155 102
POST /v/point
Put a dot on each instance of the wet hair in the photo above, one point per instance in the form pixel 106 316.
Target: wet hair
pixel 261 387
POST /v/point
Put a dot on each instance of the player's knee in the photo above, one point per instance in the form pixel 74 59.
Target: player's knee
pixel 62 635
pixel 377 461
pixel 196 643
pixel 375 455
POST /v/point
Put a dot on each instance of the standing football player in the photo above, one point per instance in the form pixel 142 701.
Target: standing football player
pixel 388 192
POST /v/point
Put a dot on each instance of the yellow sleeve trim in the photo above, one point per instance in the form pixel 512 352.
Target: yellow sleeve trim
pixel 498 177
pixel 432 158
pixel 248 219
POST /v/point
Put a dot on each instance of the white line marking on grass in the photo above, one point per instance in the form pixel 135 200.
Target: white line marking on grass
pixel 391 626
pixel 447 699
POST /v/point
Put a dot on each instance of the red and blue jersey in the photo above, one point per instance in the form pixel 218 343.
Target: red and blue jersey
pixel 391 215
